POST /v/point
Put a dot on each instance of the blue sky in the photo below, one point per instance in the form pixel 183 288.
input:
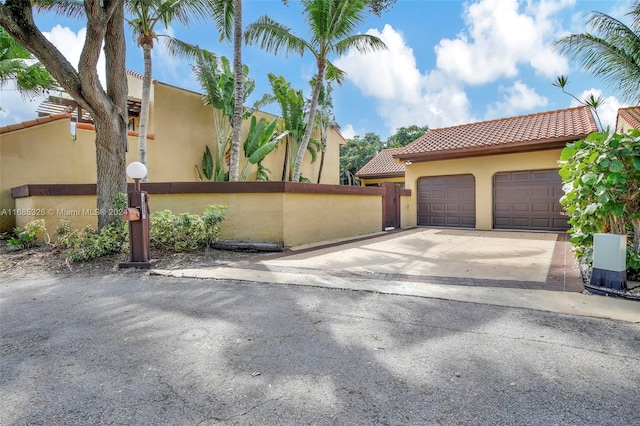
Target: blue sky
pixel 449 62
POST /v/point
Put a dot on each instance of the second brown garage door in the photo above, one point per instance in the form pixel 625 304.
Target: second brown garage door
pixel 528 200
pixel 447 201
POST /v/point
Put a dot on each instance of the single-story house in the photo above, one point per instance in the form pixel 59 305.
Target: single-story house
pixel 497 174
pixel 382 168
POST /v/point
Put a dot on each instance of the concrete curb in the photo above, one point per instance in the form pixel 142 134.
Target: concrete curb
pixel 542 300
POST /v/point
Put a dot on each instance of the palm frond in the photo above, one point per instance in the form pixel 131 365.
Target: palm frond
pixel 274 37
pixel 362 43
pixel 334 73
pixel 611 52
pixel 223 14
pixel 70 8
pixel 614 65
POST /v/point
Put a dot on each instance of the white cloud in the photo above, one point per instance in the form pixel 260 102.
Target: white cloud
pixel 608 110
pixel 499 38
pixel 517 99
pixel 348 132
pixel 70 44
pixel 387 74
pixel 404 95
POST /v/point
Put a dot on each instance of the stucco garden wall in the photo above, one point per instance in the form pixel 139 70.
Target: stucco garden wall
pixel 287 213
pixel 483 169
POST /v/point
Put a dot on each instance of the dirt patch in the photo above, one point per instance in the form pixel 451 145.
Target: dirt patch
pixel 47 259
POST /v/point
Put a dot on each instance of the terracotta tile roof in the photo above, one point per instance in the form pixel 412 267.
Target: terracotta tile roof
pixel 135 74
pixel 34 122
pixel 545 130
pixel 53 117
pixel 631 115
pixel 382 165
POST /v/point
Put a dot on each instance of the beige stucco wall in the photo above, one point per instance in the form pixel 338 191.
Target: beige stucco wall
pixel 289 218
pixel 45 154
pixel 80 210
pixel 310 218
pixel 623 125
pixel 483 169
pixel 184 127
pixel 250 217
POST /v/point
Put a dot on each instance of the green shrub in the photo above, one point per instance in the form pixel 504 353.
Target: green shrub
pixel 169 231
pixel 27 237
pixel 88 244
pixel 186 231
pixel 601 176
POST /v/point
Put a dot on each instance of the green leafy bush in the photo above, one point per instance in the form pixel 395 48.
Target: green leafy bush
pixel 186 231
pixel 168 231
pixel 27 237
pixel 87 243
pixel 601 176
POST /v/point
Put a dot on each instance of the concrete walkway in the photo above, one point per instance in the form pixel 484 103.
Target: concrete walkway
pixel 516 269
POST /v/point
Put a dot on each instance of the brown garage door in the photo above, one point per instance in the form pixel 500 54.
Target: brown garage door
pixel 447 201
pixel 528 200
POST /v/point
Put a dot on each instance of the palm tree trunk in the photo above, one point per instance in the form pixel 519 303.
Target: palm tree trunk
pixel 302 149
pixel 234 166
pixel 324 150
pixel 143 125
pixel 285 166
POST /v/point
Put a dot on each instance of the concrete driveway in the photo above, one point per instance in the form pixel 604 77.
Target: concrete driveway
pixel 515 269
pixel 524 260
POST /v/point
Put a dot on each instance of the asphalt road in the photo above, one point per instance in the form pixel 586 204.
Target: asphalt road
pixel 145 350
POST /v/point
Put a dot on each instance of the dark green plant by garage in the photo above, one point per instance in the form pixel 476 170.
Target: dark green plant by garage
pixel 601 176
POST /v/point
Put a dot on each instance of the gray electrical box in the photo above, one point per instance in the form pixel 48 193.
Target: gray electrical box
pixel 610 252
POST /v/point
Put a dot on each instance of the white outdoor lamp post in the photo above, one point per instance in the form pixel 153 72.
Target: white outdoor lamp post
pixel 137 214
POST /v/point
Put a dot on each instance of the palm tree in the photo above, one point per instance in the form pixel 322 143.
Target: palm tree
pixel 612 51
pixel 32 79
pixel 332 24
pixel 146 14
pixel 325 120
pixel 292 111
pixel 218 82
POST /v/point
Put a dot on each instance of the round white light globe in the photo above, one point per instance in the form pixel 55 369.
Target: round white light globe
pixel 136 170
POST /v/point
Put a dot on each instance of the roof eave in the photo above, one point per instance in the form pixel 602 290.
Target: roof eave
pixel 380 175
pixel 490 150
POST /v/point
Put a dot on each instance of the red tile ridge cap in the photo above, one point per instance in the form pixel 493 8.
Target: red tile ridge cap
pixel 34 122
pixel 137 75
pixel 89 126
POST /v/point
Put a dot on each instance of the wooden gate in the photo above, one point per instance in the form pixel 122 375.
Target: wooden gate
pixel 390 205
